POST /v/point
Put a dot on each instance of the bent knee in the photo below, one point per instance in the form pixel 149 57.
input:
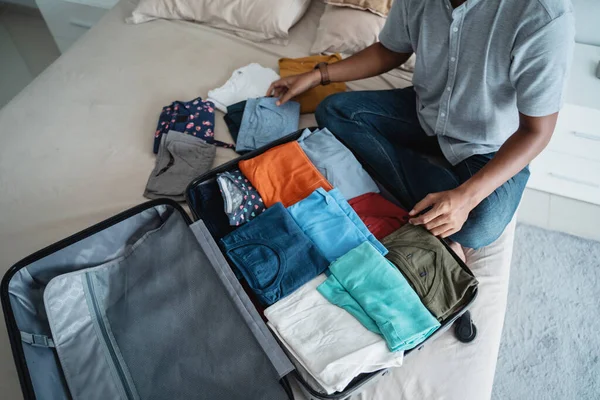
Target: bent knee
pixel 484 226
pixel 331 109
pixel 477 237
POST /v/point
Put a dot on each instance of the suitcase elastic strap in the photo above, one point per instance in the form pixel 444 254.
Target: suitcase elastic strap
pixel 37 340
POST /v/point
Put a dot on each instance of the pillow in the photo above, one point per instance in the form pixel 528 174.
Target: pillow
pixel 346 30
pixel 258 20
pixel 379 7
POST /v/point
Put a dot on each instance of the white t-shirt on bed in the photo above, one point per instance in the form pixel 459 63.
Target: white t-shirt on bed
pixel 245 83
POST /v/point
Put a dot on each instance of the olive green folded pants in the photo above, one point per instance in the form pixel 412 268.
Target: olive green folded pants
pixel 443 285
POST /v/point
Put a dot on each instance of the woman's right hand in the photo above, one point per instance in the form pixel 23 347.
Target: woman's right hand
pixel 291 86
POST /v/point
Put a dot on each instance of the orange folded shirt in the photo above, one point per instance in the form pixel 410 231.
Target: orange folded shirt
pixel 283 174
pixel 310 99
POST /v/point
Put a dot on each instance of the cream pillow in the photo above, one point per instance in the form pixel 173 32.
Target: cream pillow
pixel 379 7
pixel 346 30
pixel 258 20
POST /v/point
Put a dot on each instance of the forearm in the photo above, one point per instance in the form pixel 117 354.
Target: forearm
pixel 372 61
pixel 514 155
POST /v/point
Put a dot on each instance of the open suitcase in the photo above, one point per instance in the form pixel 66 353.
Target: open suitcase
pixel 85 320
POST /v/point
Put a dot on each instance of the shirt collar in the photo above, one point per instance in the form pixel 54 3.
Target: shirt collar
pixel 467 5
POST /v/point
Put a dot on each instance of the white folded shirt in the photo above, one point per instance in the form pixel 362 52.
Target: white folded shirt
pixel 328 342
pixel 245 83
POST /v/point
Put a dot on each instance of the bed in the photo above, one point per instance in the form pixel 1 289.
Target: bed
pixel 77 149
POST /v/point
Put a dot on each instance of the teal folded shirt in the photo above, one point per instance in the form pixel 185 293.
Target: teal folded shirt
pixel 369 287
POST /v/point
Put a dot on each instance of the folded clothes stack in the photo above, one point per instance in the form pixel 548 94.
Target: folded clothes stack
pixel 337 163
pixel 341 302
pixel 329 343
pixel 284 174
pixel 264 122
pixel 253 121
pixel 370 288
pixel 330 222
pixel 344 282
pixel 185 146
pixel 381 216
pixel 435 275
pixel 180 159
pixel 195 117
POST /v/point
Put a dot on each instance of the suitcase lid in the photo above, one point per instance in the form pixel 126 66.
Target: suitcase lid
pixel 22 290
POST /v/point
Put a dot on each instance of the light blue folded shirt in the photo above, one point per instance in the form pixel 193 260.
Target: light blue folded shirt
pixel 337 163
pixel 375 292
pixel 263 122
pixel 331 224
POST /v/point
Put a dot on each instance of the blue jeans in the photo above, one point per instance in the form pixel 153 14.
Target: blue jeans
pixel 274 255
pixel 383 130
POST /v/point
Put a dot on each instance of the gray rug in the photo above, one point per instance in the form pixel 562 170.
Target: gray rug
pixel 551 340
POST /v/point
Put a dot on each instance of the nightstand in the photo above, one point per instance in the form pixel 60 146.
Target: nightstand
pixel 564 188
pixel 69 19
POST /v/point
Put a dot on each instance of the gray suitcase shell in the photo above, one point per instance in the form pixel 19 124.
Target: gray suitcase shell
pixel 22 291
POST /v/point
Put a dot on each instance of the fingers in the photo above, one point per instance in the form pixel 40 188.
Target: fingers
pixel 436 222
pixel 279 91
pixel 271 90
pixel 441 229
pixel 428 217
pixel 286 97
pixel 449 232
pixel 427 201
pixel 279 86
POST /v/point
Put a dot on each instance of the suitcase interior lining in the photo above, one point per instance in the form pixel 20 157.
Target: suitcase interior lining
pixel 26 288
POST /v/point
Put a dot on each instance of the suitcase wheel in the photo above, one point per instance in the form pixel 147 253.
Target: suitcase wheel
pixel 464 329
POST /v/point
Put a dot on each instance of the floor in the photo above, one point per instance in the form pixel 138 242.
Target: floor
pixel 26 46
pixel 550 347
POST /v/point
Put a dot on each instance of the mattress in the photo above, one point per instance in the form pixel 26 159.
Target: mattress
pixel 76 148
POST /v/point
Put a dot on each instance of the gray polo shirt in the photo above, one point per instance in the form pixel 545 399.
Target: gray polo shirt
pixel 479 65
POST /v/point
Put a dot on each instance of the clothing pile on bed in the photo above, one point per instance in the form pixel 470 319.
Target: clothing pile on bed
pixel 340 277
pixel 347 284
pixel 184 138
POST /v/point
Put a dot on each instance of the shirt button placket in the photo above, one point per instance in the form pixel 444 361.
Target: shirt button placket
pixel 445 100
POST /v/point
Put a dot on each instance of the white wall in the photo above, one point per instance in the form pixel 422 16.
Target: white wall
pixel 587 21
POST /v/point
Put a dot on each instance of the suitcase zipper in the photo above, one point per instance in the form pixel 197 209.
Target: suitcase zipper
pixel 106 339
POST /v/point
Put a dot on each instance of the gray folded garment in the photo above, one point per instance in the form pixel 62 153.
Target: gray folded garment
pixel 181 158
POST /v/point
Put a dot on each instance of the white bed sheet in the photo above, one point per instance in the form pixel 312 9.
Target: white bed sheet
pixel 76 148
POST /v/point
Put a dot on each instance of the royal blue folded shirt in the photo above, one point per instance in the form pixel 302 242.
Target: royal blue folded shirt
pixel 331 223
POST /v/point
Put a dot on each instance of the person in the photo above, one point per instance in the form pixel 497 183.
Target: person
pixel 487 87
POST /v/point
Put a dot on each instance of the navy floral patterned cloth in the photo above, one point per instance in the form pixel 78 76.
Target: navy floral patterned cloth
pixel 195 117
pixel 242 201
